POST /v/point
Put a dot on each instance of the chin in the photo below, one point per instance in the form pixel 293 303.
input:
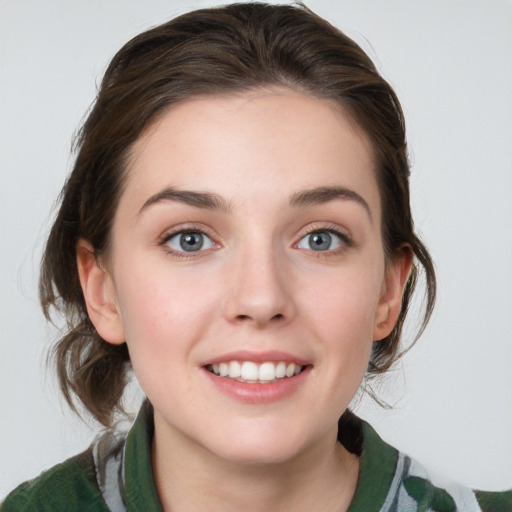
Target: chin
pixel 258 455
pixel 259 446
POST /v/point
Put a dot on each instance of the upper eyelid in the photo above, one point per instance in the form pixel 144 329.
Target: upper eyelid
pixel 187 228
pixel 171 234
pixel 329 227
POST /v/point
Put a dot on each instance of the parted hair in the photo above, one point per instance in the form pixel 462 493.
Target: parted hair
pixel 214 51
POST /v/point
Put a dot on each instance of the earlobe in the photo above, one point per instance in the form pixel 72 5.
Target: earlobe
pixel 99 294
pixel 390 304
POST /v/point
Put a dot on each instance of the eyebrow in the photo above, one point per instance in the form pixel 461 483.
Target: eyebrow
pixel 205 200
pixel 321 195
pixel 211 201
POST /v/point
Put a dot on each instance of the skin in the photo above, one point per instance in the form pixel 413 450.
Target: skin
pixel 257 285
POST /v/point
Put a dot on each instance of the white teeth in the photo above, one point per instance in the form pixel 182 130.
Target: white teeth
pixel 234 369
pixel 223 370
pixel 280 370
pixel 248 371
pixel 267 371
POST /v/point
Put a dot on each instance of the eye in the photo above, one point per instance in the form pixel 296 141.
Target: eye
pixel 321 241
pixel 189 241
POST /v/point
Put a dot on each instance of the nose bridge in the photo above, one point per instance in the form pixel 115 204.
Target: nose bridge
pixel 259 291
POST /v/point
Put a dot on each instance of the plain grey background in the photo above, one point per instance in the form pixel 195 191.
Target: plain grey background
pixel 450 62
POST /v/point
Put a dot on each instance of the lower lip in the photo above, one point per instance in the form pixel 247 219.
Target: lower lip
pixel 256 393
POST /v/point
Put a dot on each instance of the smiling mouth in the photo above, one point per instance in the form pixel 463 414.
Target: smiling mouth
pixel 255 373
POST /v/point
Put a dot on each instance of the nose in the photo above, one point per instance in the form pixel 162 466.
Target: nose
pixel 260 290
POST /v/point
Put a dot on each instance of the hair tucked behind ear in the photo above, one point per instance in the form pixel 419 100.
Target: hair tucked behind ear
pixel 210 52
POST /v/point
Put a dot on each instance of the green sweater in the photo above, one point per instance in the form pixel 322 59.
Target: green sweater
pixel 116 470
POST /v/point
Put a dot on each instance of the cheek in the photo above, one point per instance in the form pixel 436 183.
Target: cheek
pixel 343 301
pixel 160 334
pixel 341 321
pixel 163 309
pixel 342 316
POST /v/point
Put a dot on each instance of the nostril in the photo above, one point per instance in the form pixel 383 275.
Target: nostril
pixel 278 316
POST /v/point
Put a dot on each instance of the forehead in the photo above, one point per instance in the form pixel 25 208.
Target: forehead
pixel 266 141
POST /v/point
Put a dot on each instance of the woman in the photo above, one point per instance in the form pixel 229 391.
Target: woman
pixel 237 229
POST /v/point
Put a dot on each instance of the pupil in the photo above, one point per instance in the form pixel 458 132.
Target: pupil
pixel 191 242
pixel 320 241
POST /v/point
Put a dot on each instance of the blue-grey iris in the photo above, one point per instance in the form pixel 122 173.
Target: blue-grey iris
pixel 320 241
pixel 191 242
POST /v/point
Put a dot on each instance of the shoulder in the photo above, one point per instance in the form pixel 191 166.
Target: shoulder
pixel 494 501
pixel 391 481
pixel 425 488
pixel 69 486
pixel 428 489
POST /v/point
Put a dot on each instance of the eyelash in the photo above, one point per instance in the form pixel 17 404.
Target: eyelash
pixel 346 241
pixel 164 240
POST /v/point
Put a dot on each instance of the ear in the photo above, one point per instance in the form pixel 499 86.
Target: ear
pixel 390 303
pixel 99 293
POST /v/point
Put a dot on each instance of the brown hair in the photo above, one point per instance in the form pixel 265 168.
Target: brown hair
pixel 211 51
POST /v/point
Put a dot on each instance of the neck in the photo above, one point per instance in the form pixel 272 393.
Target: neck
pixel 190 478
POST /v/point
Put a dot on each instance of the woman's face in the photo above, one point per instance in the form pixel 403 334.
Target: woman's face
pixel 246 248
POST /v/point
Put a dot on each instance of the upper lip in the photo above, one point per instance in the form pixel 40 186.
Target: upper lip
pixel 257 357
